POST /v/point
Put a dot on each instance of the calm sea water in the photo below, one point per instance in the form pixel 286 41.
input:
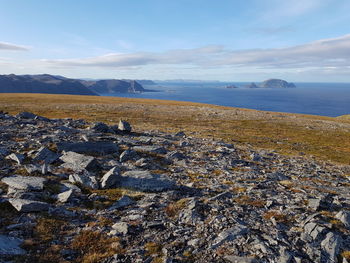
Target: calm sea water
pixel 327 99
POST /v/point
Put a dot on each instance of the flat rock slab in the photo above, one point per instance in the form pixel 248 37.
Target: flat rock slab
pixel 95 148
pixel 150 149
pixel 45 155
pixel 84 179
pixel 10 246
pixel 78 162
pixel 26 183
pixel 145 181
pixel 27 206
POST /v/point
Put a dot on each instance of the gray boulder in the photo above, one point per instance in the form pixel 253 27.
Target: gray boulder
pixel 330 248
pixel 78 162
pixel 46 156
pixel 145 181
pixel 95 148
pixel 10 246
pixel 110 178
pixel 84 179
pixel 124 126
pixel 27 183
pixel 27 206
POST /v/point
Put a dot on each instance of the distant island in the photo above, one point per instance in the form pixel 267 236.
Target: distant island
pixel 231 87
pixel 51 84
pixel 272 84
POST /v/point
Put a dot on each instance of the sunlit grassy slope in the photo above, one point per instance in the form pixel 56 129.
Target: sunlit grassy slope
pixel 323 137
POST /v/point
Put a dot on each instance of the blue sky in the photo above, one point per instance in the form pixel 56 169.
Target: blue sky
pixel 228 40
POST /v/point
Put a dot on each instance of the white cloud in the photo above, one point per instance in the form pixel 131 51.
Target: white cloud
pixel 333 52
pixel 8 46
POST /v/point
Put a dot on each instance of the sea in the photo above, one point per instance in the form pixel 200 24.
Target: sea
pixel 325 99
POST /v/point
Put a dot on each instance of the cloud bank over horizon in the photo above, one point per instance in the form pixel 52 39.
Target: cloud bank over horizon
pixel 333 52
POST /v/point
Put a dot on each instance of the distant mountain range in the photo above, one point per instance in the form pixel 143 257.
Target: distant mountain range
pixel 51 84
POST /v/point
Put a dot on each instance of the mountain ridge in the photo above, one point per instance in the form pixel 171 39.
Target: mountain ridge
pixel 55 84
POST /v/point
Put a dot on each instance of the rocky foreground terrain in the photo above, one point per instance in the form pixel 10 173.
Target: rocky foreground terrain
pixel 73 191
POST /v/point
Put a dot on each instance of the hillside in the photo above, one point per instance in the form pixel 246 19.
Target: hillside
pixel 42 84
pixel 79 191
pixel 110 86
pixel 50 84
pixel 323 137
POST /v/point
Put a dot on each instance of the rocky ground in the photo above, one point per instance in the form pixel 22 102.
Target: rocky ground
pixel 73 191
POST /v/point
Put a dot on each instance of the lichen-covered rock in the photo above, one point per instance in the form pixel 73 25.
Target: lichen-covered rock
pixel 26 183
pixel 78 162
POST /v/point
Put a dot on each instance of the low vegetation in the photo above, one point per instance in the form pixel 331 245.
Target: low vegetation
pixel 323 137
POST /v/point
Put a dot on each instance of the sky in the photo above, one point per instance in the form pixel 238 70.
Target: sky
pixel 227 40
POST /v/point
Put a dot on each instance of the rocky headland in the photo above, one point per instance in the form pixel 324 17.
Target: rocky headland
pixel 272 84
pixel 78 191
pixel 50 84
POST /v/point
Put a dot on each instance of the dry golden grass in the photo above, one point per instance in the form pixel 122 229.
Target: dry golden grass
pixel 93 247
pixel 324 137
pixel 174 208
pixel 246 200
pixel 278 216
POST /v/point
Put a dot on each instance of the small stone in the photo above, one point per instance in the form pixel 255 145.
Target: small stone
pixel 331 247
pixel 124 126
pixel 17 157
pixel 121 228
pixel 316 204
pixel 127 155
pixel 110 178
pixel 344 217
pixel 65 196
